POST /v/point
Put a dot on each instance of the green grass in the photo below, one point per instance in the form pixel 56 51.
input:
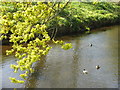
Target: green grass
pixel 79 16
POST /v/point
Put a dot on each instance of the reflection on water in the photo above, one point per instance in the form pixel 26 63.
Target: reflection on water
pixel 63 69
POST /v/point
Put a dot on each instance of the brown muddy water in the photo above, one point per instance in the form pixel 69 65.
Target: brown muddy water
pixel 63 69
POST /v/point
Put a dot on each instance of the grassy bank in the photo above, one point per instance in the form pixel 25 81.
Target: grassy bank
pixel 80 17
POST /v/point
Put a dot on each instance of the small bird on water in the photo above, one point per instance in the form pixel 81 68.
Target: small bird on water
pixel 91 45
pixel 85 71
pixel 97 67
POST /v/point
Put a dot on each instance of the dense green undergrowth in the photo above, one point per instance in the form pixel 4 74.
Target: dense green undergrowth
pixel 79 17
pixel 84 16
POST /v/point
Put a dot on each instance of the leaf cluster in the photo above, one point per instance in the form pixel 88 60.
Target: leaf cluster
pixel 28 21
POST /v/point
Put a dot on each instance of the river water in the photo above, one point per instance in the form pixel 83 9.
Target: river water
pixel 63 69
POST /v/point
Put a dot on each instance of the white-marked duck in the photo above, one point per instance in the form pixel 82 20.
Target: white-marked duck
pixel 85 71
pixel 91 45
pixel 97 67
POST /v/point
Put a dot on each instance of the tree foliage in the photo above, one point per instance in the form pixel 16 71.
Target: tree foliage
pixel 27 23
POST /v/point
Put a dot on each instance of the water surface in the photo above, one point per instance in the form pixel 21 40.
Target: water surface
pixel 63 69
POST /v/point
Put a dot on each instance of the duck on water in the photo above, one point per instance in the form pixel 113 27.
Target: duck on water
pixel 85 71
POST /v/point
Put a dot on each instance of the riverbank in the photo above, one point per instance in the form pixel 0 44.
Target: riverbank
pixel 80 17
